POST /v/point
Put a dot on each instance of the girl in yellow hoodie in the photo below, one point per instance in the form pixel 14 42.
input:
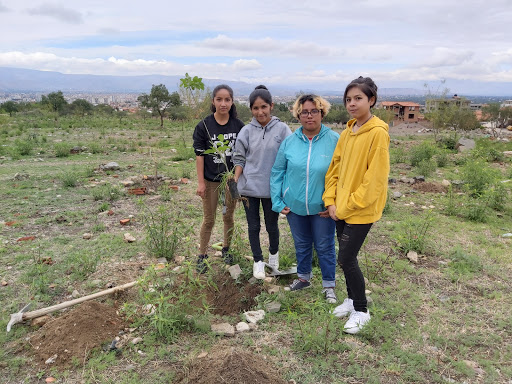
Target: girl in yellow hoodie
pixel 356 185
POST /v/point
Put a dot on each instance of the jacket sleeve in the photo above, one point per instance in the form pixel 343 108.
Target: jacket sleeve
pixel 201 139
pixel 375 179
pixel 332 176
pixel 277 178
pixel 240 150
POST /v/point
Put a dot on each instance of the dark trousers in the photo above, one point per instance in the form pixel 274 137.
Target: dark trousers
pixel 252 212
pixel 350 239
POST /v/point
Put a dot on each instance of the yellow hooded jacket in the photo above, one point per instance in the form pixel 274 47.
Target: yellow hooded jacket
pixel 357 179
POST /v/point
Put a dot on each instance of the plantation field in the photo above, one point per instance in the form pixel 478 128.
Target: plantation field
pixel 441 317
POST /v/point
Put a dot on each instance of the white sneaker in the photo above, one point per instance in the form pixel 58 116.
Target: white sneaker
pixel 345 309
pixel 356 322
pixel 273 261
pixel 258 270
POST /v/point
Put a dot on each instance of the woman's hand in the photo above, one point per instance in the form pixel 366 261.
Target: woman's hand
pixel 324 214
pixel 201 189
pixel 331 209
pixel 285 211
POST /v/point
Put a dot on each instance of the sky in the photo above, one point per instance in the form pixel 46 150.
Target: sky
pixel 323 43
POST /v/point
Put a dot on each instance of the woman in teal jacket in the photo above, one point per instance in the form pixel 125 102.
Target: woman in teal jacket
pixel 296 186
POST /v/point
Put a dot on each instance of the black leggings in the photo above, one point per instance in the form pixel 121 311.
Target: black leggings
pixel 350 239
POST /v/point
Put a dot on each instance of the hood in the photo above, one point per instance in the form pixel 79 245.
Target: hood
pixel 323 131
pixel 273 121
pixel 368 126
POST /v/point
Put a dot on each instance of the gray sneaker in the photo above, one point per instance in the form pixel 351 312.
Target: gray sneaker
pixel 299 284
pixel 330 295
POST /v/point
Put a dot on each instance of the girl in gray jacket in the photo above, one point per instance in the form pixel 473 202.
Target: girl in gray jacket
pixel 254 155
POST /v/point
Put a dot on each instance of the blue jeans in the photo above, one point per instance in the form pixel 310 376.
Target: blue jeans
pixel 309 231
pixel 252 212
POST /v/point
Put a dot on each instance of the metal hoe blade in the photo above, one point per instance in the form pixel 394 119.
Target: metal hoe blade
pixel 17 317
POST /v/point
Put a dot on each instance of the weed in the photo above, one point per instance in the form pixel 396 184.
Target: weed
pixel 69 179
pixel 398 155
pixel 62 149
pixel 95 148
pixel 463 265
pixel 163 231
pixel 451 207
pixel 497 196
pixel 413 233
pixel 442 159
pixel 183 153
pixel 426 167
pixel 106 192
pixel 423 151
pixel 448 142
pixel 165 192
pixel 23 147
pixel 104 207
pixel 478 176
pixel 81 264
pixel 475 208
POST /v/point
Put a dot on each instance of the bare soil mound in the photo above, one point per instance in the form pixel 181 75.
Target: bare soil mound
pixel 231 366
pixel 74 334
pixel 227 297
pixel 430 187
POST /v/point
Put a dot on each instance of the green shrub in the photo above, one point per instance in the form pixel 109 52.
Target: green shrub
pixel 163 232
pixel 497 196
pixel 463 264
pixel 448 142
pixel 423 151
pixel 69 179
pixel 23 147
pixel 62 149
pixel 475 208
pixel 413 233
pixel 441 159
pixel 426 167
pixel 478 176
pixel 106 192
pixel 95 148
pixel 183 153
pixel 398 155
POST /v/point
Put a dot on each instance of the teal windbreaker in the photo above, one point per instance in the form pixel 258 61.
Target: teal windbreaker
pixel 298 176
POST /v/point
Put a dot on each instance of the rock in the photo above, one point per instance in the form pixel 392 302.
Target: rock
pixel 20 176
pixel 273 307
pixel 202 355
pixel 217 254
pixel 242 327
pixel 52 359
pixel 87 236
pixel 112 166
pixel 223 329
pixel 507 235
pixel 419 178
pixel 179 259
pixel 96 282
pixel 444 298
pixel 391 180
pixel 235 271
pixel 40 321
pixel 508 153
pixel 184 180
pixel 75 294
pixel 50 379
pixel 254 316
pixel 446 183
pixel 465 144
pixel 4 283
pixel 253 326
pixel 271 289
pixel 127 183
pixel 129 238
pixel 412 256
pixel 268 279
pixel 75 150
pixel 369 300
pixel 161 260
pixel 397 195
pixel 136 340
pixel 124 221
pixel 253 280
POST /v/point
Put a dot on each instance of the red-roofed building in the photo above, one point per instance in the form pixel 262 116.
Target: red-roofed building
pixel 405 111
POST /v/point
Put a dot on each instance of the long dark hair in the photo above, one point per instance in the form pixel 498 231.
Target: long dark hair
pixel 366 85
pixel 232 112
pixel 262 92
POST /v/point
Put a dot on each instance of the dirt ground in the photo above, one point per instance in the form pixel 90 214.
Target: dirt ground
pixel 230 366
pixel 73 335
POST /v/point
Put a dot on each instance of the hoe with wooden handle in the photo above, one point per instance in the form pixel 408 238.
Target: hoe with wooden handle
pixel 22 315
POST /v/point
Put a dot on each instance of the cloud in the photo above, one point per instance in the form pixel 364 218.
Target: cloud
pixel 3 8
pixel 267 45
pixel 120 66
pixel 57 12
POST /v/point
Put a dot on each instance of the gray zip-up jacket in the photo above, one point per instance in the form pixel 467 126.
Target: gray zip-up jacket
pixel 255 151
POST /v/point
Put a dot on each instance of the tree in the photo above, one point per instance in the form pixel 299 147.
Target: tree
pixel 159 99
pixel 497 116
pixel 55 102
pixel 194 95
pixel 81 107
pixel 10 107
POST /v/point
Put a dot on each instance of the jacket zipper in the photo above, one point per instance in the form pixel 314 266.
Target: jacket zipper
pixel 307 175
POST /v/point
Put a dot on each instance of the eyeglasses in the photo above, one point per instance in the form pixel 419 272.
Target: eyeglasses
pixel 313 112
